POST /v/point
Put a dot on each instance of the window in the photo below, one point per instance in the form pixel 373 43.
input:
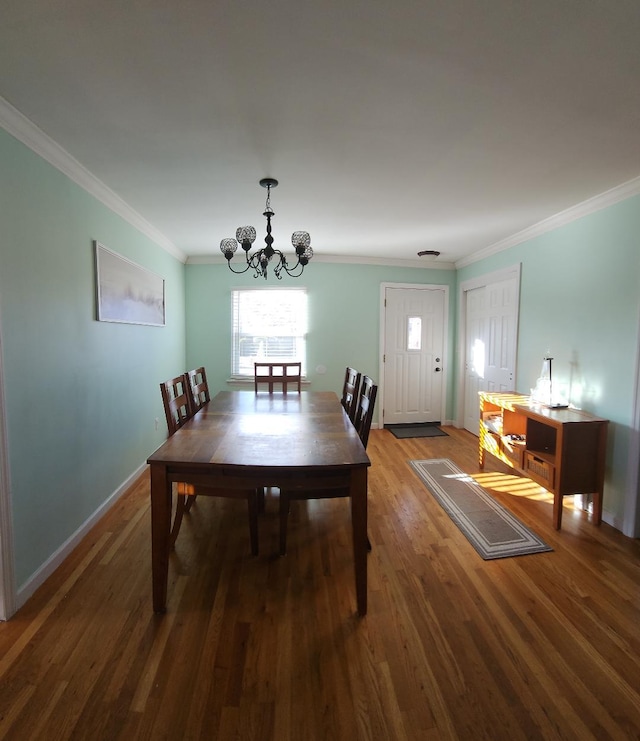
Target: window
pixel 268 324
pixel 414 333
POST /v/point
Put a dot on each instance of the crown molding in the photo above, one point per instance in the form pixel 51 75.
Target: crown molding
pixel 20 127
pixel 344 260
pixel 591 205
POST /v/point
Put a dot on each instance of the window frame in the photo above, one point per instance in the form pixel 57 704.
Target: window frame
pixel 299 338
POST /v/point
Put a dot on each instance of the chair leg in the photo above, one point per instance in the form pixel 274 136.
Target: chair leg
pixel 177 520
pixel 252 502
pixel 284 516
pixel 189 503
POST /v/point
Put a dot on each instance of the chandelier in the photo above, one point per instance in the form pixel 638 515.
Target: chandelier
pixel 260 259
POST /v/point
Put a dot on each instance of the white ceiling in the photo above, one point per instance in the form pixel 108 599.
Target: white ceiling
pixel 392 127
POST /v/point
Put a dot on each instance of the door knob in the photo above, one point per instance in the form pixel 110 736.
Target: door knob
pixel 438 370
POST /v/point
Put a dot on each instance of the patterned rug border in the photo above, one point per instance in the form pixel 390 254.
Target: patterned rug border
pixel 523 541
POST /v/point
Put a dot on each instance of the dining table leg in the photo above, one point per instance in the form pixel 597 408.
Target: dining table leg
pixel 160 534
pixel 358 495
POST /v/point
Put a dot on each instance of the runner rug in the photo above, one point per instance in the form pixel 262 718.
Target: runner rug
pixel 490 528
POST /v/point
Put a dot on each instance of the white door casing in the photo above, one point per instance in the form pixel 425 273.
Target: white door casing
pixel 413 343
pixel 7 585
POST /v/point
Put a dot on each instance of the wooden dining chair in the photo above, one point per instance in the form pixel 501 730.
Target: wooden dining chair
pixel 350 390
pixel 198 394
pixel 323 489
pixel 177 410
pixel 177 407
pixel 278 374
pixel 176 396
pixel 365 408
pixel 197 388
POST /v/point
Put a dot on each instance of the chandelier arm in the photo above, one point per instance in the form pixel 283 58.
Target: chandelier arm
pixel 290 271
pixel 238 272
pixel 280 264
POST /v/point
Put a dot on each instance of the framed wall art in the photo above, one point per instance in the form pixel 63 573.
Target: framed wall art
pixel 126 292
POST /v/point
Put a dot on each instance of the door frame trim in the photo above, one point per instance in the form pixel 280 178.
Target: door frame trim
pixel 631 516
pixel 445 343
pixel 463 288
pixel 7 580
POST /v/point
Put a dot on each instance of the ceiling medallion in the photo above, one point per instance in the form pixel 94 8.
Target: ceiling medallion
pixel 259 260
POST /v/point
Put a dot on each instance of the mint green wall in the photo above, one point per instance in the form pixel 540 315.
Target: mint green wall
pixel 344 317
pixel 579 298
pixel 82 396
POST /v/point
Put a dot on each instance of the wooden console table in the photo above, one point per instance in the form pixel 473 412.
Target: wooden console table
pixel 563 450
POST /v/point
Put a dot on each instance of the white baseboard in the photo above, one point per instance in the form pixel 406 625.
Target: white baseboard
pixel 51 564
pixel 612 520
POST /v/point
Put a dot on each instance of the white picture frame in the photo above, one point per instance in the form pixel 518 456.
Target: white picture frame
pixel 127 293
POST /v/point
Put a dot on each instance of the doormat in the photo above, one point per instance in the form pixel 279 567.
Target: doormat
pixel 490 528
pixel 427 429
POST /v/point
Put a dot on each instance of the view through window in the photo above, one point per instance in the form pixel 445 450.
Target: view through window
pixel 268 324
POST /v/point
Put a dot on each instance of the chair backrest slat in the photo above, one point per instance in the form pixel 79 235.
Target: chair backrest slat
pixel 282 374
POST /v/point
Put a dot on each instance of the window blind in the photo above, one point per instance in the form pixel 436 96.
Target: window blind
pixel 268 324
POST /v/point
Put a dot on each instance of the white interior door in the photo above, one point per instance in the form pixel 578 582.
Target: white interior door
pixel 475 351
pixel 490 340
pixel 414 347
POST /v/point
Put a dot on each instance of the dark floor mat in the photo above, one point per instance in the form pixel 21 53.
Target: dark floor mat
pixel 429 429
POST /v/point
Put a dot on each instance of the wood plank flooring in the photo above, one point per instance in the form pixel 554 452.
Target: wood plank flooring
pixel 545 646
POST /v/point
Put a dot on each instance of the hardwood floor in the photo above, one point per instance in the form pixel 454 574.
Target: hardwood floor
pixel 544 646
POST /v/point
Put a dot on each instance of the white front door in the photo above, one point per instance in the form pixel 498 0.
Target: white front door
pixel 414 346
pixel 491 332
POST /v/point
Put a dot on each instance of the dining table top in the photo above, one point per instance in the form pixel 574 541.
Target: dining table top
pixel 306 430
pixel 248 439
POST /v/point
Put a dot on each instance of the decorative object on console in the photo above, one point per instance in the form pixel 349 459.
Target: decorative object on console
pixel 259 260
pixel 543 392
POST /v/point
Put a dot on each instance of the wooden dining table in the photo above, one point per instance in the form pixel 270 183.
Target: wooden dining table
pixel 244 440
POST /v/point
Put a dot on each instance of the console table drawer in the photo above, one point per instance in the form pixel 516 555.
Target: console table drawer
pixel 540 469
